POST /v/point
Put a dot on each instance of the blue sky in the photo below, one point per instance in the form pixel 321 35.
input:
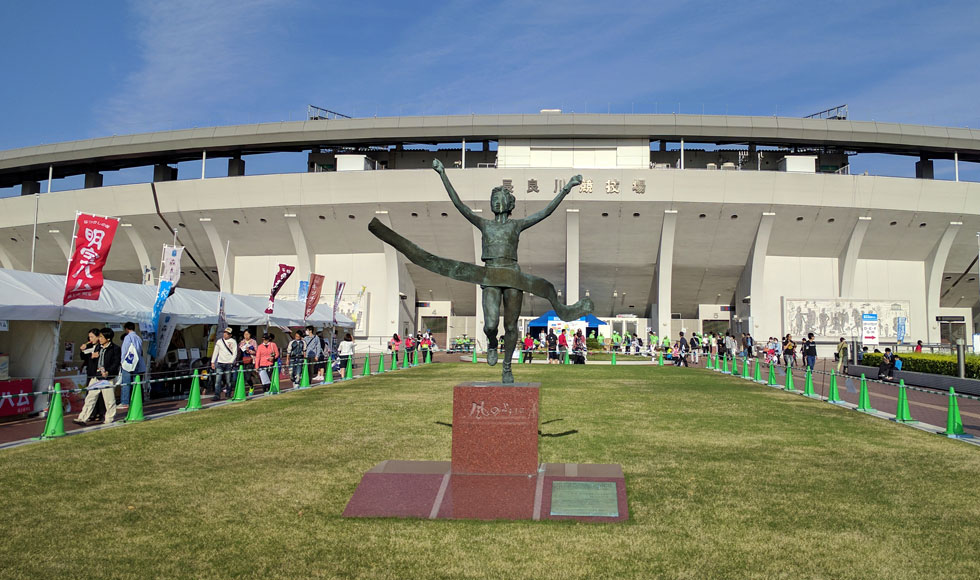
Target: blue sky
pixel 78 70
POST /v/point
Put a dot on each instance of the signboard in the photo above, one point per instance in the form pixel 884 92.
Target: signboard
pixel 4 325
pixel 831 318
pixel 950 319
pixel 900 328
pixel 869 333
pixel 19 402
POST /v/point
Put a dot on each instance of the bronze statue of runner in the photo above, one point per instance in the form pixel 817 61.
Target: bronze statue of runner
pixel 501 278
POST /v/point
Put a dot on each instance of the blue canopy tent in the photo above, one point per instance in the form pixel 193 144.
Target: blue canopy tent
pixel 541 323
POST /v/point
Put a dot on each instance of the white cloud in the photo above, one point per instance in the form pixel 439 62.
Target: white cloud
pixel 196 56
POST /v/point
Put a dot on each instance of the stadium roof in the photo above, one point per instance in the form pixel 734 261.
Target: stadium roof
pixel 120 151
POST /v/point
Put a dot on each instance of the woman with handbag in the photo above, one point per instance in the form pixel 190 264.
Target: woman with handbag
pixel 266 356
pixel 247 347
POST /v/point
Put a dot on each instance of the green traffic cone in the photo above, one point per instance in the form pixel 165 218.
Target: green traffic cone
pixel 660 360
pixel 240 385
pixel 808 385
pixel 194 397
pixel 734 366
pixel 789 380
pixel 902 412
pixel 474 353
pixel 415 358
pixel 715 366
pixel 349 371
pixel 428 356
pixel 864 401
pixel 381 364
pixel 394 360
pixel 328 374
pixel 772 376
pixel 757 376
pixel 707 363
pixel 304 380
pixel 274 384
pixel 954 423
pixel 367 366
pixel 520 357
pixel 724 367
pixel 833 395
pixel 567 361
pixel 54 424
pixel 745 368
pixel 406 362
pixel 135 413
pixel 613 357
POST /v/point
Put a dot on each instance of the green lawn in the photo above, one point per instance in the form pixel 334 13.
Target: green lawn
pixel 725 480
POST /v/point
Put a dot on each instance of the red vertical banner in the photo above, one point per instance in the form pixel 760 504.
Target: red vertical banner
pixel 281 276
pixel 93 238
pixel 313 297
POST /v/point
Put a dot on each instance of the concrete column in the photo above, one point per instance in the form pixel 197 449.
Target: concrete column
pixel 93 179
pixel 304 255
pixel 571 256
pixel 923 168
pixel 30 187
pixel 236 166
pixel 751 283
pixel 935 266
pixel 164 172
pixel 478 336
pixel 226 280
pixel 146 266
pixel 392 294
pixel 62 242
pixel 847 262
pixel 663 277
pixel 9 261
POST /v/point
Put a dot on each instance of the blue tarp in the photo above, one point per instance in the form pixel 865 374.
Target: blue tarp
pixel 589 319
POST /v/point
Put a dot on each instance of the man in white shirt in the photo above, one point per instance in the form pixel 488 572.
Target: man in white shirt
pixel 223 363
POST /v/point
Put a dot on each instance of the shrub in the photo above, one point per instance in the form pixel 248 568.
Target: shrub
pixel 593 344
pixel 936 364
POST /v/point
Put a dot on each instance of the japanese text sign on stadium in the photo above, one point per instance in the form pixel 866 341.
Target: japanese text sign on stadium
pixel 869 328
pixel 93 238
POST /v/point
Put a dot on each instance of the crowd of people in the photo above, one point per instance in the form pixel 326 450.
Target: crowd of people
pixel 108 365
pixel 685 350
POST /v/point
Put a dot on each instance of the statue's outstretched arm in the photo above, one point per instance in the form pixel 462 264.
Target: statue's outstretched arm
pixel 553 205
pixel 462 207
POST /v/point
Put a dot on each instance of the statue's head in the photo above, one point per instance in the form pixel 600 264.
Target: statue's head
pixel 502 200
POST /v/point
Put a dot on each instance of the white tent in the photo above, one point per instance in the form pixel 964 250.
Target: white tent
pixel 31 302
pixel 33 296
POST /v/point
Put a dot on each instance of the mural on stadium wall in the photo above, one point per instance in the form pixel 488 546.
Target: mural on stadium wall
pixel 832 318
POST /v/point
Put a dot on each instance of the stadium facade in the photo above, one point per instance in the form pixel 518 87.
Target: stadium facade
pixel 695 222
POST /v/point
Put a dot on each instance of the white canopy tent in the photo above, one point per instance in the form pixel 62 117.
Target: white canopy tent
pixel 34 296
pixel 31 302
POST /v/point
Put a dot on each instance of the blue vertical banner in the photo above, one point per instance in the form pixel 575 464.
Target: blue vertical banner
pixel 163 292
pixel 900 328
pixel 304 290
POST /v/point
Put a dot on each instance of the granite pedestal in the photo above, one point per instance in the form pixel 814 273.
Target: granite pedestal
pixel 494 472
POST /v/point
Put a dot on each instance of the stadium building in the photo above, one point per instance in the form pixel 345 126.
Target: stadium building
pixel 682 221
